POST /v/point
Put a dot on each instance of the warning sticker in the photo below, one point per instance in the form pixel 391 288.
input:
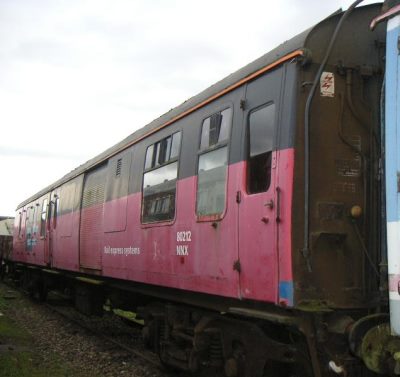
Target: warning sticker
pixel 327 84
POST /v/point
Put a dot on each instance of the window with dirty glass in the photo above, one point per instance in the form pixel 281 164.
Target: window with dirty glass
pixel 159 179
pixel 30 221
pixel 163 151
pixel 215 129
pixel 213 163
pixel 260 145
pixel 56 210
pixel 211 182
pixel 19 224
pixel 43 218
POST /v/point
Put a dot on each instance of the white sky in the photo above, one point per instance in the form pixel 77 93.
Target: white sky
pixel 77 76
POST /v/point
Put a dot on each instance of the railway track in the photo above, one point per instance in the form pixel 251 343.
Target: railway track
pixel 133 330
pixel 109 328
pixel 119 339
pixel 144 355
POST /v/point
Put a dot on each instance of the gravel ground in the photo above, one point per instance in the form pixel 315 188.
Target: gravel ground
pixel 89 354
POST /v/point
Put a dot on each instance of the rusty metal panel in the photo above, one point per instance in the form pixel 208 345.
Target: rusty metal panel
pixel 341 267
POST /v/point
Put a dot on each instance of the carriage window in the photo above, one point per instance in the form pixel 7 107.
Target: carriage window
pixel 56 210
pixel 19 224
pixel 163 151
pixel 261 132
pixel 176 144
pixel 212 167
pixel 43 218
pixel 215 129
pixel 159 179
pixel 211 182
pixel 149 157
pixel 159 188
pixel 30 218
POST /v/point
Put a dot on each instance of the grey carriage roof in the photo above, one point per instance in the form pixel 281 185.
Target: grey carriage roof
pixel 282 50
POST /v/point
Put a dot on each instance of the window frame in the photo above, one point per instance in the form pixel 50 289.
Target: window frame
pixel 56 209
pixel 176 159
pixel 29 226
pixel 247 141
pixel 212 148
pixel 30 218
pixel 218 144
pixel 20 214
pixel 46 212
pixel 37 219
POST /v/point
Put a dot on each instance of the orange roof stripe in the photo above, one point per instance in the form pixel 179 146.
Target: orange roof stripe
pixel 230 88
pixel 241 82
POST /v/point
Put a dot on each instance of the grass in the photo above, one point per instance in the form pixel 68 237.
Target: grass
pixel 18 356
pixel 9 332
pixel 27 364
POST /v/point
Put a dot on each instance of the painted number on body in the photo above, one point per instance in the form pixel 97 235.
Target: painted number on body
pixel 183 236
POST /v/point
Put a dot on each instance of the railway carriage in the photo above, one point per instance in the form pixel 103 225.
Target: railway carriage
pixel 248 241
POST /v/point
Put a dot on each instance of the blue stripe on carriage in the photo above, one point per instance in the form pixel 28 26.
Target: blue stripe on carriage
pixel 286 291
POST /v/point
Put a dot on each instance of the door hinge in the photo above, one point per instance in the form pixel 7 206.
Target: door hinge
pixel 238 197
pixel 243 104
pixel 237 266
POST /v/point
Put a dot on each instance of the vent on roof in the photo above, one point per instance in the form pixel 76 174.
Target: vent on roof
pixel 119 167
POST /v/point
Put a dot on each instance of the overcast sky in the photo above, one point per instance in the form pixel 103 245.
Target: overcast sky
pixel 77 76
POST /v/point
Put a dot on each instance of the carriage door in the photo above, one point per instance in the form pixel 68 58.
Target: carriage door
pixel 258 208
pixel 91 242
pixel 53 213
